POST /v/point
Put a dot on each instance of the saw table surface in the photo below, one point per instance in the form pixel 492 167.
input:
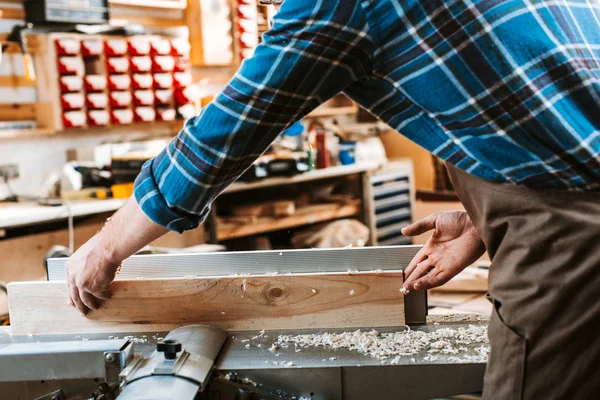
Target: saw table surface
pixel 318 373
pixel 242 350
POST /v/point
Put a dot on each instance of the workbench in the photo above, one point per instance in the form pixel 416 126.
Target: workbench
pixel 315 373
pixel 16 215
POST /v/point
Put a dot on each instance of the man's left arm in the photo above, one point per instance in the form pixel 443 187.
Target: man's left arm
pixel 314 50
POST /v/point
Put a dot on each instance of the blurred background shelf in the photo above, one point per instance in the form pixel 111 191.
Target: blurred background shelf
pixel 303 216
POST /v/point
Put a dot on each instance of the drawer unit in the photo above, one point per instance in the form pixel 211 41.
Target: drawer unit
pixel 392 191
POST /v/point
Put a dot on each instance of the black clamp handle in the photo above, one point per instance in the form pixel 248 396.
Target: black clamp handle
pixel 169 347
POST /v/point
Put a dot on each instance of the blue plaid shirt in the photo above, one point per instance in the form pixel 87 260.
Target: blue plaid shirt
pixel 507 90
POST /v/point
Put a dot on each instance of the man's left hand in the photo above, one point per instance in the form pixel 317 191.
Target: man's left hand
pixel 454 245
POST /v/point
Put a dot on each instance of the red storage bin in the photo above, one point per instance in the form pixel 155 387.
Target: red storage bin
pixel 165 114
pixel 142 81
pixel 180 47
pixel 117 65
pixel 186 95
pixel 186 111
pixel 248 40
pixel 119 82
pixel 143 97
pixel 68 46
pixel 115 47
pixel 72 101
pixel 98 117
pixel 139 46
pixel 97 100
pixel 91 47
pixel 70 66
pixel 120 99
pixel 144 114
pixel 163 81
pixel 141 64
pixel 95 83
pixel 74 119
pixel 182 79
pixel 121 117
pixel 70 83
pixel 160 47
pixel 163 64
pixel 182 65
pixel 247 11
pixel 163 96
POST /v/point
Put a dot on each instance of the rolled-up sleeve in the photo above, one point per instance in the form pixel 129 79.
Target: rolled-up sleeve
pixel 314 50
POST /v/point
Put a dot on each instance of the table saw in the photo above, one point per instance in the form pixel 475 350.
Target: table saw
pixel 205 362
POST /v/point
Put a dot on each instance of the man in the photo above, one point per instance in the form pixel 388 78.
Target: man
pixel 507 92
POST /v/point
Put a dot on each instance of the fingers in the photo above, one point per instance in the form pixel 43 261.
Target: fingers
pixel 432 280
pixel 89 300
pixel 85 301
pixel 421 270
pixel 103 295
pixel 421 226
pixel 77 300
pixel 419 257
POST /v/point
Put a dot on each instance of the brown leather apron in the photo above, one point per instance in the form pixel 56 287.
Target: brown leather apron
pixel 544 283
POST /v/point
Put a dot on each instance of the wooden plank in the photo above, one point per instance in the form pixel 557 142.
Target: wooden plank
pixel 17 112
pixel 303 216
pixel 449 299
pixel 298 301
pixel 265 209
pixel 12 13
pixel 471 279
pixel 16 81
pixel 169 4
pixel 118 19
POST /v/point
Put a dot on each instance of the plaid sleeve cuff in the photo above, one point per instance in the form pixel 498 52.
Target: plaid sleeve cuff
pixel 154 205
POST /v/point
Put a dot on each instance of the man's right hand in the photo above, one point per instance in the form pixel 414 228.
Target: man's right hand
pixel 93 267
pixel 89 274
pixel 454 245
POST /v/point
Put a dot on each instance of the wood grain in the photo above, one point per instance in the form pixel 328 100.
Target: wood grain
pixel 298 301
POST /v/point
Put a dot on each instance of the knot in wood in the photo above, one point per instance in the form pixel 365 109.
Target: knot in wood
pixel 275 293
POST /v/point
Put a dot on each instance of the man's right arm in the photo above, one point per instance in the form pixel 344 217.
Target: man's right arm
pixel 314 50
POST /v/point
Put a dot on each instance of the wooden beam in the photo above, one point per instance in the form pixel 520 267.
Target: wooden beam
pixel 18 112
pixel 12 13
pixel 298 301
pixel 15 81
pixel 169 4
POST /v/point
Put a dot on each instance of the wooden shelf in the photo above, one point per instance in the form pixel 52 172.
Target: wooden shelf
pixel 168 4
pixel 303 216
pixel 331 172
pixel 149 129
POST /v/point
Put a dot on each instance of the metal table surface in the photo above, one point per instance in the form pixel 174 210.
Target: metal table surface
pixel 325 372
pixel 235 354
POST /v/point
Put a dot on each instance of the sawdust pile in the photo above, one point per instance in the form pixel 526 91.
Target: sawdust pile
pixel 396 345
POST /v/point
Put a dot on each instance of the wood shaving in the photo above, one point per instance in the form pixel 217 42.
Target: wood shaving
pixel 397 345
